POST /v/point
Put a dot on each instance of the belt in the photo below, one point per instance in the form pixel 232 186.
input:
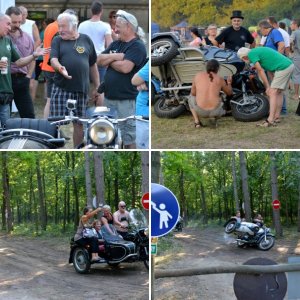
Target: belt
pixel 18 75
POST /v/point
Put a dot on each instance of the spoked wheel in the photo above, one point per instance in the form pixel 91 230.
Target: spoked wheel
pixel 163 50
pixel 165 108
pixel 266 244
pixel 81 261
pixel 257 109
pixel 230 226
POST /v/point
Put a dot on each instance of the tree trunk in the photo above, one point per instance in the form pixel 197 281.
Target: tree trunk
pixel 246 196
pixel 56 201
pixel 41 194
pixel 274 188
pixel 133 179
pixel 298 214
pixel 6 193
pixel 88 181
pixel 155 167
pixel 203 202
pixel 182 200
pixel 99 178
pixel 234 182
pixel 145 171
pixel 75 191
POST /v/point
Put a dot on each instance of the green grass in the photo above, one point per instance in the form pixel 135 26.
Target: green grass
pixel 180 133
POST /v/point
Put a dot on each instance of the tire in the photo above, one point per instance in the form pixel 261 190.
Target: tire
pixel 153 94
pixel 252 112
pixel 265 246
pixel 162 51
pixel 163 110
pixel 230 226
pixel 81 261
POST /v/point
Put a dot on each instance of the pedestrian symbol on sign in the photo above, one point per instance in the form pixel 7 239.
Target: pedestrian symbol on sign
pixel 164 216
pixel 164 210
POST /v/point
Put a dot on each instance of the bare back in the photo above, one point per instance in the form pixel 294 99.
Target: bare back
pixel 207 92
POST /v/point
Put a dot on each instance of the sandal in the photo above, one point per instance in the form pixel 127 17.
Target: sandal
pixel 266 123
pixel 277 121
pixel 198 124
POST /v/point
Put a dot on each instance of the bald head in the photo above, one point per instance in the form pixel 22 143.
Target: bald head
pixel 5 24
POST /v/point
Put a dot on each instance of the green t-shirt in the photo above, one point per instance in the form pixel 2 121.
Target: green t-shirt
pixel 269 59
pixel 7 49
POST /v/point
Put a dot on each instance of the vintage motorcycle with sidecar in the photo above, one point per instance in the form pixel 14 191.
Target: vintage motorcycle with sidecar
pixel 176 65
pixel 250 234
pixel 113 248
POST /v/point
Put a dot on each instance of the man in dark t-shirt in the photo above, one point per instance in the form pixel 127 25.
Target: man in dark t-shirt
pixel 235 36
pixel 123 58
pixel 73 57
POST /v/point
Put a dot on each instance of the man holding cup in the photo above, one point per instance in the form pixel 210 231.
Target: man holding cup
pixel 8 50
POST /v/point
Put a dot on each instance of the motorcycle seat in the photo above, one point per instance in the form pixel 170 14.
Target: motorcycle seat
pixel 34 124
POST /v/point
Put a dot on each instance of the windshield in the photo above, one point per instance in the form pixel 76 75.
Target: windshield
pixel 109 233
pixel 138 218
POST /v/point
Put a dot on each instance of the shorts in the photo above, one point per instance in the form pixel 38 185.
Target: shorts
pixel 142 134
pixel 124 108
pixel 59 99
pixel 49 81
pixel 296 72
pixel 281 78
pixel 205 113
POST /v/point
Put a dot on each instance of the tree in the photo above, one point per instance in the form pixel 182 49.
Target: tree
pixel 244 175
pixel 274 188
pixel 88 180
pixel 234 183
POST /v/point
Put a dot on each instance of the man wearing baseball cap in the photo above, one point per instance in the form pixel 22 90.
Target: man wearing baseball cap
pixel 267 59
pixel 235 36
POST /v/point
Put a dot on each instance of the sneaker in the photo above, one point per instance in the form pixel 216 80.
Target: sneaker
pixel 97 259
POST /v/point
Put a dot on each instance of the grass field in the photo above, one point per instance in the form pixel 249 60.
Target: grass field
pixel 180 133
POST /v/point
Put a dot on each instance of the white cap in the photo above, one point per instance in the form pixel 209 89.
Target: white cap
pixel 242 52
pixel 128 17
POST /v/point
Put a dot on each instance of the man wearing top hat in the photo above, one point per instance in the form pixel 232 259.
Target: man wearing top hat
pixel 235 36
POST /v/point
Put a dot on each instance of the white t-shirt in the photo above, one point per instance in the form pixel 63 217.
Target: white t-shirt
pixel 97 32
pixel 27 27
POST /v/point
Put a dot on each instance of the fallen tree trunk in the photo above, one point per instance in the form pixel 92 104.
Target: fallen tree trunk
pixel 246 269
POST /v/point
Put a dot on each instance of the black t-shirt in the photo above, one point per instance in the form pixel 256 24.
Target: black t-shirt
pixel 208 41
pixel 76 56
pixel 235 39
pixel 118 85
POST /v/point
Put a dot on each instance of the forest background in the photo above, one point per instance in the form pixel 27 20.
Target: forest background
pixel 211 186
pixel 47 191
pixel 202 13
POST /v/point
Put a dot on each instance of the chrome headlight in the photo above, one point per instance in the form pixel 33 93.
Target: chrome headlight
pixel 102 132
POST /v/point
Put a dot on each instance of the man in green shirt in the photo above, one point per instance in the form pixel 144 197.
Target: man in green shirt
pixel 267 59
pixel 8 50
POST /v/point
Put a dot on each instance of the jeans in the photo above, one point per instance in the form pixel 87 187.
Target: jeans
pixel 22 96
pixel 4 113
pixel 142 134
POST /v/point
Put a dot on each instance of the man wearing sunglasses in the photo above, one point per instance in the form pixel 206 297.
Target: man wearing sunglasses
pixel 122 216
pixel 123 58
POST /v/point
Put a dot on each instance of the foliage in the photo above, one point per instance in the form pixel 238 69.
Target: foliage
pixel 213 171
pixel 201 13
pixel 57 174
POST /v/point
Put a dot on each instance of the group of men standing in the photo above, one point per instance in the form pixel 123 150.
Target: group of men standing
pixel 271 61
pixel 78 57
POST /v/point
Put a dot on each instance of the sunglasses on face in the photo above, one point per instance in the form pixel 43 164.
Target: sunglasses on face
pixel 122 206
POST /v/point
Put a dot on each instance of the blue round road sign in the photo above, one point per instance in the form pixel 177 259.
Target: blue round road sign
pixel 164 210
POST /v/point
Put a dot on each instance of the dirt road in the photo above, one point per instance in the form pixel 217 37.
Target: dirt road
pixel 38 269
pixel 210 247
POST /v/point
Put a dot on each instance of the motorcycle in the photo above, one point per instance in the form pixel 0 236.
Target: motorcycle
pixel 101 130
pixel 176 65
pixel 113 249
pixel 138 234
pixel 250 234
pixel 179 224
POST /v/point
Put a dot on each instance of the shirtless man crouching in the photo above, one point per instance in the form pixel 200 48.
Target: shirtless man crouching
pixel 205 100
